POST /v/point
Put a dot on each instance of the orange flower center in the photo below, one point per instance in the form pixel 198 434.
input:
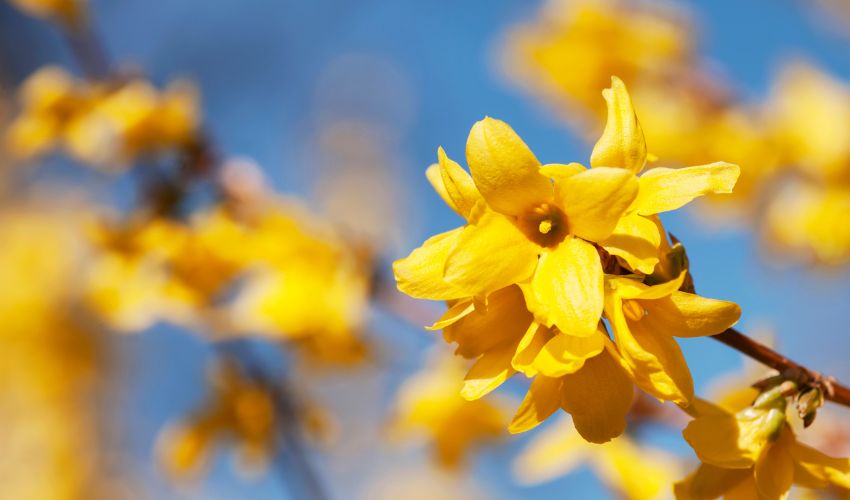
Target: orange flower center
pixel 545 225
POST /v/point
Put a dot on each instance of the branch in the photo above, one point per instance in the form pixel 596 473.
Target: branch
pixel 832 389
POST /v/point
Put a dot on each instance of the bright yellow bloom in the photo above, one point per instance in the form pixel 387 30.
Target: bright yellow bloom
pixel 429 405
pixel 635 472
pixel 104 125
pixel 525 277
pixel 239 409
pixel 753 454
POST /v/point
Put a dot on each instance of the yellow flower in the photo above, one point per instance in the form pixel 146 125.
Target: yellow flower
pixel 633 471
pixel 106 125
pixel 428 404
pixel 807 220
pixel 238 408
pixel 753 454
pixel 645 320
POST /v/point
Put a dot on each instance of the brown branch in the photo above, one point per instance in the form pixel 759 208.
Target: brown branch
pixel 832 389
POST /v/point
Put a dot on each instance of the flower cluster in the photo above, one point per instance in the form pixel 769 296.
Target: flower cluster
pixel 554 255
pixel 270 269
pixel 794 181
pixel 106 125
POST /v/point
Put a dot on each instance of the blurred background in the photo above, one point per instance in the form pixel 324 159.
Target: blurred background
pixel 341 105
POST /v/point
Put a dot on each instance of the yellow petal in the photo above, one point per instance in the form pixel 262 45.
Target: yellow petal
pixel 688 315
pixel 774 471
pixel 458 185
pixel 541 401
pixel 420 274
pixel 654 358
pixel 630 288
pixel 559 172
pixel 594 200
pixel 636 240
pixel 505 320
pixel 598 397
pixel 488 373
pixel 455 313
pixel 490 255
pixel 569 284
pixel 622 143
pixel 505 170
pixel 744 490
pixel 665 189
pixel 432 173
pixel 709 482
pixel 833 470
pixel 564 354
pixel 532 342
pixel 718 440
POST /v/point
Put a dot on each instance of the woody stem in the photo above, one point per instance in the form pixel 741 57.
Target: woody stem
pixel 832 390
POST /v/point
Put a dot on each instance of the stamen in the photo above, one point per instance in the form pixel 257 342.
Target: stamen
pixel 545 226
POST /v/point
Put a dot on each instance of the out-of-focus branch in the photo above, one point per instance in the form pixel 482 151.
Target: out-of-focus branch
pixel 832 389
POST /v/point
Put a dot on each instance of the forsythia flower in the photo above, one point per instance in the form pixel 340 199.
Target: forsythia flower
pixel 240 409
pixel 753 454
pixel 101 124
pixel 635 472
pixel 544 248
pixel 428 404
pixel 288 275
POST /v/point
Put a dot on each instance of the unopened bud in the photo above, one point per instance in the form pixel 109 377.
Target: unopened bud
pixel 808 404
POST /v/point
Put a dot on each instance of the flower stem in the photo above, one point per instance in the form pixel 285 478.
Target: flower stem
pixel 832 389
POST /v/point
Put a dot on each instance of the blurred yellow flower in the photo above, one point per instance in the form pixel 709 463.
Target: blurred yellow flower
pixel 753 454
pixel 105 125
pixel 276 271
pixel 633 471
pixel 428 405
pixel 51 365
pixel 239 409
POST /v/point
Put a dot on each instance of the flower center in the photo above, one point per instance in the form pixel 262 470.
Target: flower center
pixel 544 224
pixel 633 310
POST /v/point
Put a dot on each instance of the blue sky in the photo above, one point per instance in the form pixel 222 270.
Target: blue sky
pixel 259 64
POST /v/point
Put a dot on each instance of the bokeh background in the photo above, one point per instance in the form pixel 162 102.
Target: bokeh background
pixel 344 103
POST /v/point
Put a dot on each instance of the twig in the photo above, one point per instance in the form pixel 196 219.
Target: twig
pixel 832 389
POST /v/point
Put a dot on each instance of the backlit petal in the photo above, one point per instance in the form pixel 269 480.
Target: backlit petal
pixel 505 170
pixel 653 357
pixel 420 274
pixel 436 179
pixel 598 397
pixel 822 466
pixel 685 314
pixel 709 482
pixel 622 143
pixel 541 401
pixel 490 255
pixel 458 185
pixel 528 348
pixel 665 189
pixel 636 240
pixel 564 354
pixel 594 200
pixel 718 440
pixel 488 373
pixel 504 320
pixel 569 283
pixel 774 471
